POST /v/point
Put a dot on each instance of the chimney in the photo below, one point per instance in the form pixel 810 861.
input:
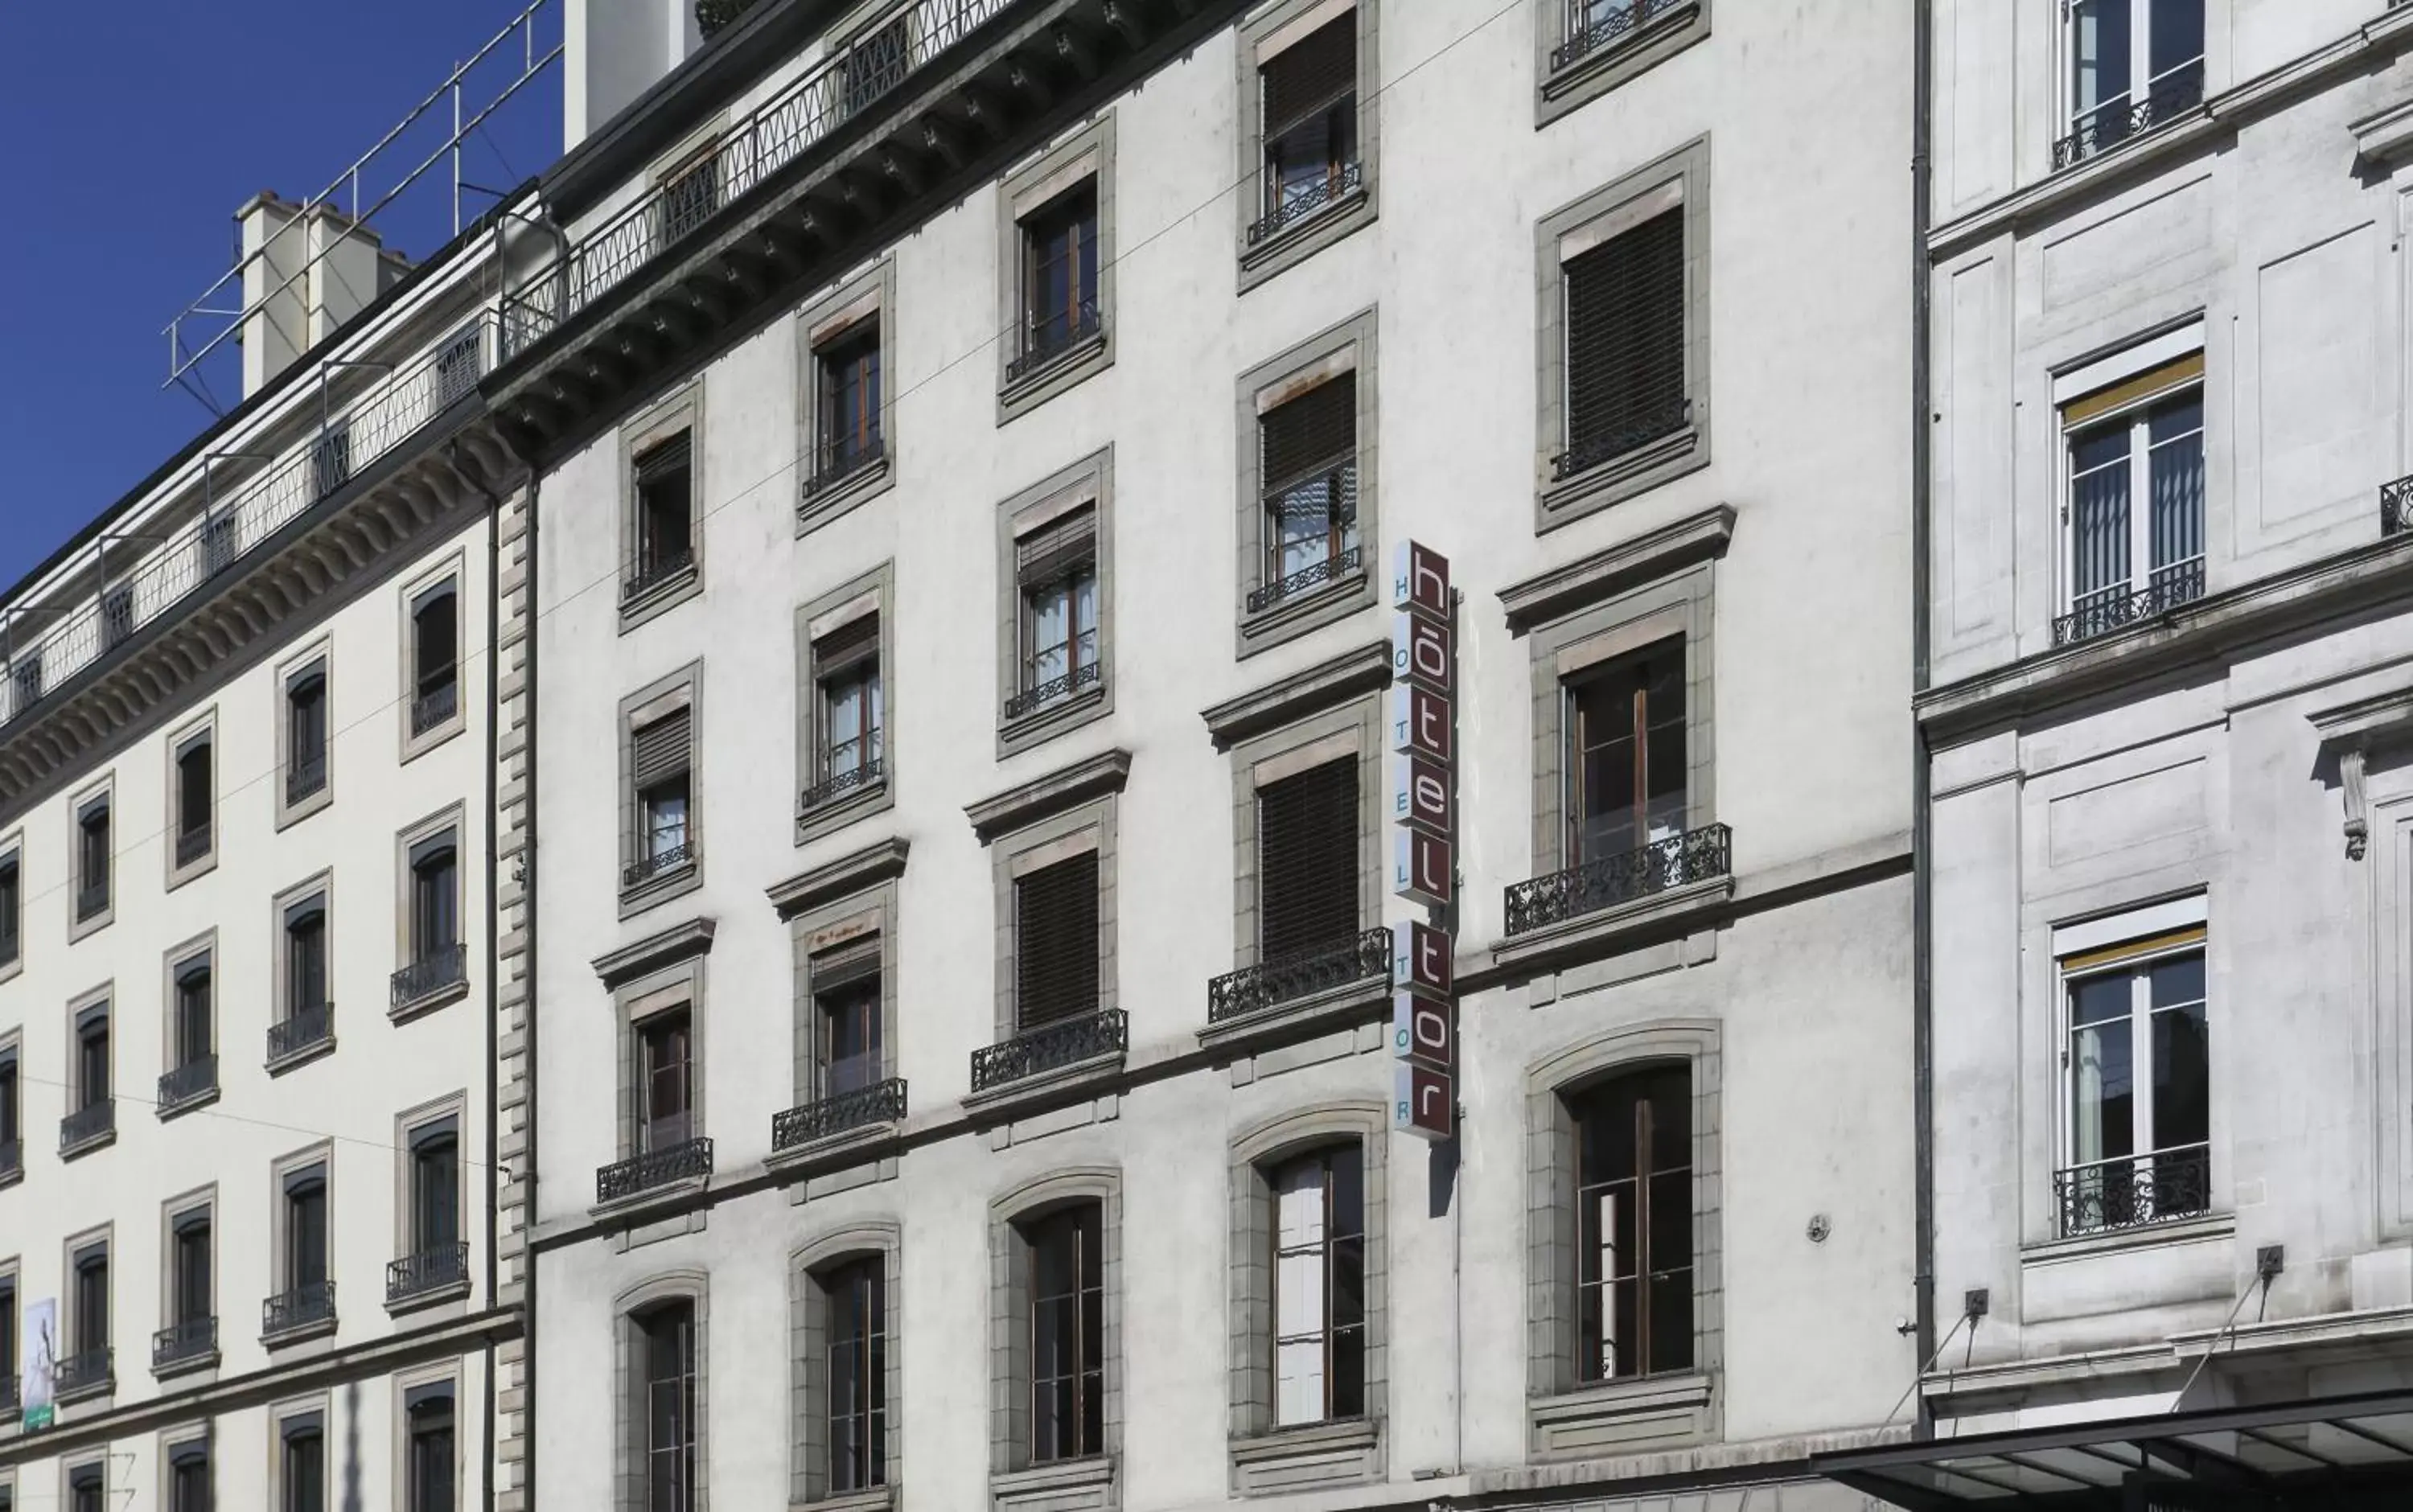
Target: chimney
pixel 303 276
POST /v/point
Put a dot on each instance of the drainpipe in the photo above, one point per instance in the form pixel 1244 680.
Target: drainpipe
pixel 1921 832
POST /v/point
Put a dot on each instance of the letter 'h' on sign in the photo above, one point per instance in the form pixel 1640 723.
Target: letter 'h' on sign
pixel 1422 718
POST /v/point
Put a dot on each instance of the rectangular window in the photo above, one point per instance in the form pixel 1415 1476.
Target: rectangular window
pixel 1067 1311
pixel 1060 275
pixel 2134 526
pixel 660 761
pixel 12 1128
pixel 306 1230
pixel 458 363
pixel 1626 760
pixel 849 412
pixel 92 1088
pixel 1310 448
pixel 1056 574
pixel 855 1296
pixel 427 1455
pixel 1634 1223
pixel 12 908
pixel 85 1491
pixel 221 541
pixel 93 859
pixel 1308 94
pixel 435 1188
pixel 1055 942
pixel 435 658
pixel 10 1366
pixel 2133 65
pixel 665 493
pixel 192 1035
pixel 1307 861
pixel 190 1299
pixel 664 1091
pixel 195 795
pixel 435 897
pixel 305 960
pixel 90 1318
pixel 690 194
pixel 845 671
pixel 1319 1264
pixel 116 615
pixel 305 734
pixel 847 1009
pixel 301 1464
pixel 188 1476
pixel 2138 1075
pixel 666 1338
pixel 1625 340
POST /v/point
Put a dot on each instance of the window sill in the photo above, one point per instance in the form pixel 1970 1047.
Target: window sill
pixel 1062 1084
pixel 302 1334
pixel 878 1499
pixel 85 1147
pixel 13 967
pixel 414 747
pixel 1621 1417
pixel 1306 1458
pixel 660 888
pixel 658 599
pixel 101 1393
pixel 837 813
pixel 192 870
pixel 290 814
pixel 427 1002
pixel 1619 926
pixel 1309 234
pixel 78 928
pixel 815 510
pixel 11 1176
pixel 178 1109
pixel 1306 611
pixel 279 1065
pixel 1056 717
pixel 1611 64
pixel 420 1301
pixel 1620 477
pixel 1300 1018
pixel 834 1151
pixel 2143 1236
pixel 191 1364
pixel 652 1202
pixel 1076 365
pixel 1061 1487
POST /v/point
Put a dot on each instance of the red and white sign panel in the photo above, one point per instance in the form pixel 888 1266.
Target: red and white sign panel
pixel 1421 653
pixel 1419 724
pixel 1420 868
pixel 1420 959
pixel 1420 794
pixel 1420 580
pixel 1423 718
pixel 1421 1101
pixel 1421 1030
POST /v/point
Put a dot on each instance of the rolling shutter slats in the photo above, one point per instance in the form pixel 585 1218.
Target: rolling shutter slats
pixel 660 750
pixel 1310 74
pixel 1055 942
pixel 1307 434
pixel 1626 335
pixel 1307 851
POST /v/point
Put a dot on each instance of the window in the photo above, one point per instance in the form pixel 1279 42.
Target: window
pixel 1056 266
pixel 1589 47
pixel 86 1490
pixel 1067 1307
pixel 1626 763
pixel 2133 65
pixel 195 795
pixel 25 678
pixel 855 1334
pixel 1056 576
pixel 2133 523
pixel 847 1010
pixel 666 1345
pixel 663 1095
pixel 435 659
pixel 1307 529
pixel 1059 277
pixel 12 908
pixel 305 1259
pixel 12 1127
pixel 93 1116
pixel 308 1021
pixel 305 734
pixel 2136 1070
pixel 435 897
pixel 190 1298
pixel 331 457
pixel 188 1476
pixel 116 615
pixel 428 1470
pixel 1055 942
pixel 1319 1276
pixel 690 194
pixel 9 1366
pixel 665 494
pixel 436 1190
pixel 849 420
pixel 89 1318
pixel 1307 861
pixel 846 674
pixel 661 763
pixel 301 1463
pixel 93 860
pixel 1310 471
pixel 1625 385
pixel 221 541
pixel 192 1035
pixel 1308 94
pixel 458 363
pixel 1634 1221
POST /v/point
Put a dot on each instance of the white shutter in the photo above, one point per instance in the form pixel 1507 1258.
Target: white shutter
pixel 1298 1294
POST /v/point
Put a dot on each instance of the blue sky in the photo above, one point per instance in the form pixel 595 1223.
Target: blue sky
pixel 141 126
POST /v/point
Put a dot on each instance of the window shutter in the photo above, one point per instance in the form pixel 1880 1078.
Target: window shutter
pixel 1626 338
pixel 852 641
pixel 1056 548
pixel 1310 433
pixel 666 459
pixel 1310 74
pixel 1055 942
pixel 1306 859
pixel 846 965
pixel 660 751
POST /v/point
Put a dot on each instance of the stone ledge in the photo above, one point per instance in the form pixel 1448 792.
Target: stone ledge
pixel 1041 797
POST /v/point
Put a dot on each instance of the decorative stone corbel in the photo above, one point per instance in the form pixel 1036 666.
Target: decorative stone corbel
pixel 2358 825
pixel 2350 730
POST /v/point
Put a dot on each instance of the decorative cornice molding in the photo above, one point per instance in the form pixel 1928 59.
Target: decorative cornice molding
pixel 1629 564
pixel 1308 691
pixel 866 869
pixel 667 947
pixel 1017 807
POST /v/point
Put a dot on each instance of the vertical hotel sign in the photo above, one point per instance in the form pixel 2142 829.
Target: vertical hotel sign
pixel 1423 729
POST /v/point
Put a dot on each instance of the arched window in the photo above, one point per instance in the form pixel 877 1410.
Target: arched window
pixel 665 1378
pixel 1634 1269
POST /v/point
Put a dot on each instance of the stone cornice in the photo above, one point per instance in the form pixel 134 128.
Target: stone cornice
pixel 1587 580
pixel 1307 692
pixel 882 861
pixel 1042 796
pixel 681 942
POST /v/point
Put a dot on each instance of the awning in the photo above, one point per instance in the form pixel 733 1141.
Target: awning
pixel 2333 1453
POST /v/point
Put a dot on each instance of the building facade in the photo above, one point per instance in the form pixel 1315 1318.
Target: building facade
pixel 971 440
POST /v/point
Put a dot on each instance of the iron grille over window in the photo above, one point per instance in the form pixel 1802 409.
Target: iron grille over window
pixel 1067 1311
pixel 1625 342
pixel 1059 277
pixel 1309 455
pixel 690 197
pixel 1055 942
pixel 116 616
pixel 1306 859
pixel 1633 1224
pixel 1310 126
pixel 665 488
pixel 1678 861
pixel 658 765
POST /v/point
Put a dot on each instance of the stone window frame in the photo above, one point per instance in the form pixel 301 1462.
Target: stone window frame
pixel 870 294
pixel 1659 1410
pixel 872 592
pixel 102 1236
pixel 201 729
pixel 659 699
pixel 88 1466
pixel 203 1199
pixel 201 947
pixel 808 1391
pixel 1306 743
pixel 453 572
pixel 871 909
pixel 103 792
pixel 663 989
pixel 415 1383
pixel 175 1446
pixel 407 1123
pixel 1087 151
pixel 1557 91
pixel 319 1404
pixel 454 819
pixel 320 886
pixel 12 849
pixel 1598 216
pixel 1266 1459
pixel 1283 23
pixel 1042 843
pixel 1012 1477
pixel 1349 346
pixel 318 658
pixel 681 410
pixel 103 999
pixel 321 1154
pixel 694 1287
pixel 1089 482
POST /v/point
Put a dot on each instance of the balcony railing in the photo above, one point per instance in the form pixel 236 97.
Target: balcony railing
pixel 88 1123
pixel 429 1271
pixel 192 844
pixel 2171 587
pixel 881 1102
pixel 2107 126
pixel 1587 452
pixel 778 132
pixel 181 1341
pixel 659 863
pixel 2133 1191
pixel 650 575
pixel 1586 36
pixel 829 790
pixel 447 967
pixel 13 1158
pixel 304 778
pixel 1298 204
pixel 92 899
pixel 433 707
pixel 85 1371
pixel 308 1306
pixel 1300 974
pixel 1050 1048
pixel 237 519
pixel 688 1160
pixel 196 1078
pixel 302 1029
pixel 1044 341
pixel 2395 513
pixel 1678 861
pixel 1332 569
pixel 1042 694
pixel 834 465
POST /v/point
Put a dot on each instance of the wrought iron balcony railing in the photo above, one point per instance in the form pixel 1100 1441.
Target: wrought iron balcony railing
pixel 302 1029
pixel 309 1305
pixel 659 863
pixel 650 575
pixel 1587 452
pixel 1044 341
pixel 1300 974
pixel 237 519
pixel 431 1270
pixel 1296 204
pixel 1042 694
pixel 2107 126
pixel 834 463
pixel 196 1078
pixel 432 708
pixel 2395 514
pixel 1332 569
pixel 192 844
pixel 179 1342
pixel 85 1371
pixel 88 1123
pixel 1586 36
pixel 829 790
pixel 687 1160
pixel 2133 1191
pixel 775 133
pixel 1050 1048
pixel 883 1102
pixel 304 778
pixel 92 900
pixel 446 967
pixel 2171 587
pixel 1678 861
